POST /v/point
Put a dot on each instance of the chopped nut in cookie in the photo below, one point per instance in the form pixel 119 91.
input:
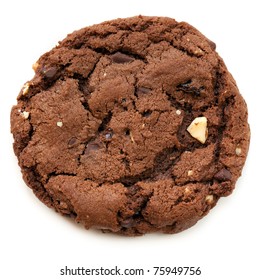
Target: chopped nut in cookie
pixel 190 173
pixel 198 129
pixel 238 151
pixel 59 124
pixel 26 88
pixel 35 66
pixel 209 199
pixel 25 115
pixel 132 137
pixel 187 191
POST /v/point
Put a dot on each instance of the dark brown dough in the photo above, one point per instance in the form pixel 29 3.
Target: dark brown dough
pixel 101 135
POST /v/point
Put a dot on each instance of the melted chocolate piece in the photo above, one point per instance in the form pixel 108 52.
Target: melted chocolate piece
pixel 121 58
pixel 223 175
pixel 92 147
pixel 187 88
pixel 50 72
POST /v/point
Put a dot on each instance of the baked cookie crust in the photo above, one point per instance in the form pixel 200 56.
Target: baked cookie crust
pixel 131 126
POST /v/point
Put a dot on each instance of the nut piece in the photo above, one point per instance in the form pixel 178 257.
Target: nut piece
pixel 25 115
pixel 35 66
pixel 190 172
pixel 132 137
pixel 26 88
pixel 187 191
pixel 59 124
pixel 238 151
pixel 209 199
pixel 198 129
pixel 178 112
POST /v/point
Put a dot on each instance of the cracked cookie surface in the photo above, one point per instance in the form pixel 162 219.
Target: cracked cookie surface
pixel 131 126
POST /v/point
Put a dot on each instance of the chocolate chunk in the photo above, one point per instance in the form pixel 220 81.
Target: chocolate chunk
pixel 109 134
pixel 92 147
pixel 83 88
pixel 212 45
pixel 72 141
pixel 121 58
pixel 142 90
pixel 187 88
pixel 128 223
pixel 50 72
pixel 223 175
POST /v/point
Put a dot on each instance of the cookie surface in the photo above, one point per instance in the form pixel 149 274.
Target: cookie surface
pixel 131 126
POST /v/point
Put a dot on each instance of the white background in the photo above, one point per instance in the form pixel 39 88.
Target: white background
pixel 36 242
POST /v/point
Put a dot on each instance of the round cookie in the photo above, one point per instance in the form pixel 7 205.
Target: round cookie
pixel 131 126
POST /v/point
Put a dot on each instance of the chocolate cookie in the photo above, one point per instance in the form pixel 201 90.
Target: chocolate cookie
pixel 131 126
